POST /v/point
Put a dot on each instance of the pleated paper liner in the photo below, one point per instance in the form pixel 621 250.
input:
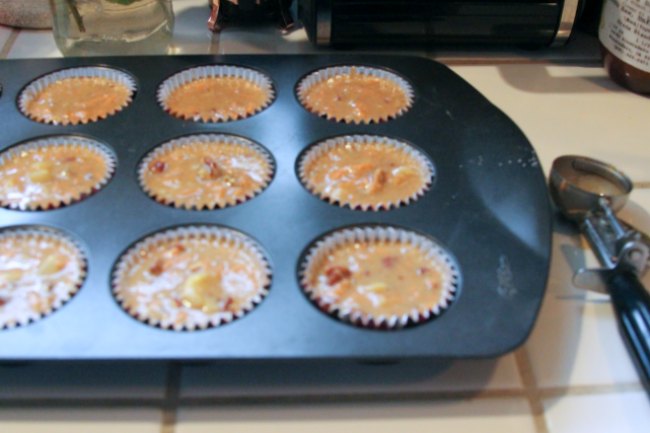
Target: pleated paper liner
pixel 52 172
pixel 355 94
pixel 360 275
pixel 192 277
pixel 366 172
pixel 77 95
pixel 206 171
pixel 41 269
pixel 216 93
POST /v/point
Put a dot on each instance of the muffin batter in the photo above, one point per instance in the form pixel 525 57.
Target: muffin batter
pixel 188 281
pixel 356 98
pixel 47 176
pixel 205 174
pixel 75 100
pixel 366 175
pixel 217 99
pixel 38 272
pixel 377 278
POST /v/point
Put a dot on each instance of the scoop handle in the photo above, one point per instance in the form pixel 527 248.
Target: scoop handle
pixel 632 306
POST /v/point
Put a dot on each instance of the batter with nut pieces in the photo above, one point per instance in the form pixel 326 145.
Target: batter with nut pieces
pixel 191 280
pixel 377 278
pixel 205 174
pixel 366 175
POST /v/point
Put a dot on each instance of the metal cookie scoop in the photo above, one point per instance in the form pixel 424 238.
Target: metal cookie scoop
pixel 589 192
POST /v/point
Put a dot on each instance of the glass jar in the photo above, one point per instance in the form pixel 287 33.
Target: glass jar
pixel 624 35
pixel 112 27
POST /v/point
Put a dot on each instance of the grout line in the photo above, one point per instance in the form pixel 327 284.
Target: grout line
pixel 640 185
pixel 4 52
pixel 532 391
pixel 172 394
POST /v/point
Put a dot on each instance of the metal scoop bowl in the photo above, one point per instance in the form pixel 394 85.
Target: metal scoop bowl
pixel 589 192
pixel 579 183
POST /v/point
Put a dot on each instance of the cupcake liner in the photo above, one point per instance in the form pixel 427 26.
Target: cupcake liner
pixel 197 140
pixel 15 310
pixel 327 73
pixel 358 141
pixel 192 319
pixel 35 87
pixel 179 79
pixel 443 262
pixel 59 141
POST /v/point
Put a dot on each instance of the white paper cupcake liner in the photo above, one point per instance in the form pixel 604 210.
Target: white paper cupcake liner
pixel 61 141
pixel 445 264
pixel 217 139
pixel 17 312
pixel 195 319
pixel 327 73
pixel 323 147
pixel 214 71
pixel 35 87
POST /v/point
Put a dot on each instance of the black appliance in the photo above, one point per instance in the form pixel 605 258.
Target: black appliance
pixel 532 23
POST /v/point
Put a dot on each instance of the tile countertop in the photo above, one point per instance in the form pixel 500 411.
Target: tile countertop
pixel 572 375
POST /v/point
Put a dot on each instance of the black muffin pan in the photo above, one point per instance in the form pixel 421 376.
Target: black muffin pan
pixel 487 206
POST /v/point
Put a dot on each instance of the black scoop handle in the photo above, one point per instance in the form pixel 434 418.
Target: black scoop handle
pixel 632 305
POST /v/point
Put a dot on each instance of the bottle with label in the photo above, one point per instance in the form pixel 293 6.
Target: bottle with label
pixel 624 36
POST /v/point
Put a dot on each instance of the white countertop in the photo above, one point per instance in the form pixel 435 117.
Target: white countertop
pixel 572 375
